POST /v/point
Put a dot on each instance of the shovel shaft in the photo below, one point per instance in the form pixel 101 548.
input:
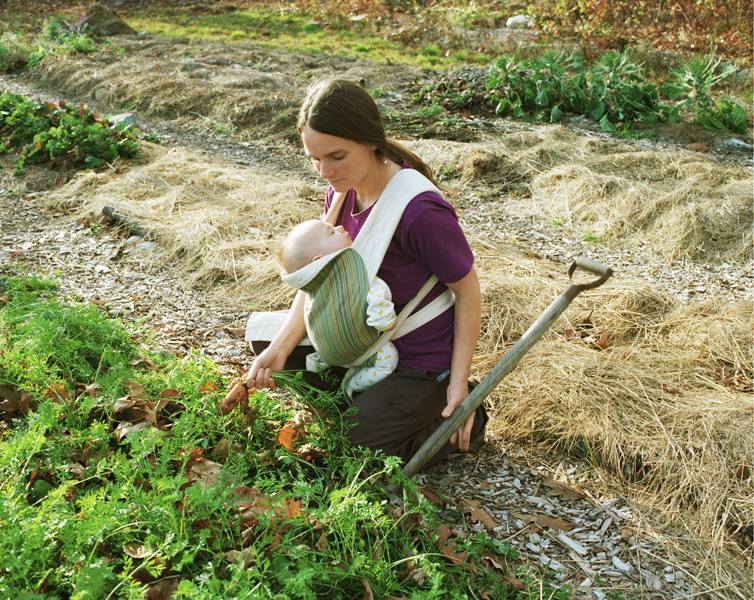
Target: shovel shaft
pixel 464 410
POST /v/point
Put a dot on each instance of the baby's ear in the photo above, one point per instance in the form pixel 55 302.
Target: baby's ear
pixel 317 257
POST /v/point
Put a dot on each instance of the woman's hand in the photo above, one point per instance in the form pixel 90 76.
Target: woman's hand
pixel 456 395
pixel 270 360
pixel 274 356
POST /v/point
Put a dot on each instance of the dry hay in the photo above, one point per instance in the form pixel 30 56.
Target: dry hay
pixel 666 407
pixel 682 207
pixel 193 91
pixel 218 225
pixel 100 20
pixel 679 204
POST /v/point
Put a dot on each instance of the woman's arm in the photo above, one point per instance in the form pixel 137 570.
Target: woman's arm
pixel 274 356
pixel 468 320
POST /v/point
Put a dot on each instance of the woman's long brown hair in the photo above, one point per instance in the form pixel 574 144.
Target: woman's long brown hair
pixel 344 109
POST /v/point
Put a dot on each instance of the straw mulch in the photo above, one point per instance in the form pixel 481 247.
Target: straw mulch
pixel 681 205
pixel 657 393
pixel 219 225
pixel 216 95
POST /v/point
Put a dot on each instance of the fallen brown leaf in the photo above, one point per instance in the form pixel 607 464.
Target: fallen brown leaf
pixel 126 429
pixel 13 400
pixel 368 594
pixel 670 389
pixel 742 472
pixel 136 550
pixel 480 515
pixel 499 564
pixel 57 392
pixel 143 362
pixel 697 147
pixel 457 558
pixel 603 343
pixel 562 490
pixel 430 495
pixel 443 534
pixel 236 331
pixel 136 390
pixel 204 473
pixel 287 435
pixel 322 542
pixel 164 589
pixel 543 521
pixel 208 387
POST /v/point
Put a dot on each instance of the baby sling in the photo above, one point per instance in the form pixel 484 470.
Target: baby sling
pixel 337 284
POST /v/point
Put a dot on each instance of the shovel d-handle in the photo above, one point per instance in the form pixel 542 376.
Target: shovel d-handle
pixel 462 412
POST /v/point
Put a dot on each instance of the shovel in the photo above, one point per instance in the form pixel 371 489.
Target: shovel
pixel 462 412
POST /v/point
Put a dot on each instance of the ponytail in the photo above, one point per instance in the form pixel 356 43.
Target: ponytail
pixel 397 152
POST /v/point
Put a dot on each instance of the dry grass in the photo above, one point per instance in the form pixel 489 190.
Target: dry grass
pixel 210 93
pixel 666 409
pixel 680 204
pixel 218 225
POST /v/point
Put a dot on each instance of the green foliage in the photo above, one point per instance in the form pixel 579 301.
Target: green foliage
pixel 101 492
pixel 14 53
pixel 45 341
pixel 611 91
pixel 696 78
pixel 60 37
pixel 49 132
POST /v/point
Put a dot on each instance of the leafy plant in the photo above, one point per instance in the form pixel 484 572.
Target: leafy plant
pixel 696 78
pixel 48 132
pixel 618 93
pixel 612 91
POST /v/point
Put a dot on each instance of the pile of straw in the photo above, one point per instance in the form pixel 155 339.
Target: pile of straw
pixel 679 204
pixel 218 225
pixel 218 96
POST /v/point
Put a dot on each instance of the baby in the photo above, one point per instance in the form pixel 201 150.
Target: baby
pixel 314 239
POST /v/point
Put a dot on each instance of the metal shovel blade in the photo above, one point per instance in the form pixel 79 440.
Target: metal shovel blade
pixel 462 412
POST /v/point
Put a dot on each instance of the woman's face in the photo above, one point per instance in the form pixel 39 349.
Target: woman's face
pixel 343 163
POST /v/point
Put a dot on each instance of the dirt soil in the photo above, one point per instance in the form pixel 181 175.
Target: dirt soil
pixel 235 106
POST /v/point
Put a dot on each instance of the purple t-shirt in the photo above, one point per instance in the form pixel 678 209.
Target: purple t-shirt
pixel 428 240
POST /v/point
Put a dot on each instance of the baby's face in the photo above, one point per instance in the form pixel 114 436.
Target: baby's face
pixel 324 238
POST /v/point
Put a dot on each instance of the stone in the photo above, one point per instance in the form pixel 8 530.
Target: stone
pixel 103 22
pixel 123 119
pixel 738 145
pixel 519 22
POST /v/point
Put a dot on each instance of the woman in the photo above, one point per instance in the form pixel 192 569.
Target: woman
pixel 342 133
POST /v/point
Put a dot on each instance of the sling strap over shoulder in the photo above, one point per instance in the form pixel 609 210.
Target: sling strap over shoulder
pixel 371 244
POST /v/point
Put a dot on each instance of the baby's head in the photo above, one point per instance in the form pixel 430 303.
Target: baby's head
pixel 311 240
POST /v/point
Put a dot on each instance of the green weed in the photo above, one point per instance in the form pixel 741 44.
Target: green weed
pixel 593 238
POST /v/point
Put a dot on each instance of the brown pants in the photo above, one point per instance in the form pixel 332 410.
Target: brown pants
pixel 396 415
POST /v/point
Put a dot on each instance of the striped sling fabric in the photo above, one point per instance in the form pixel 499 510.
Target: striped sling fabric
pixel 336 322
